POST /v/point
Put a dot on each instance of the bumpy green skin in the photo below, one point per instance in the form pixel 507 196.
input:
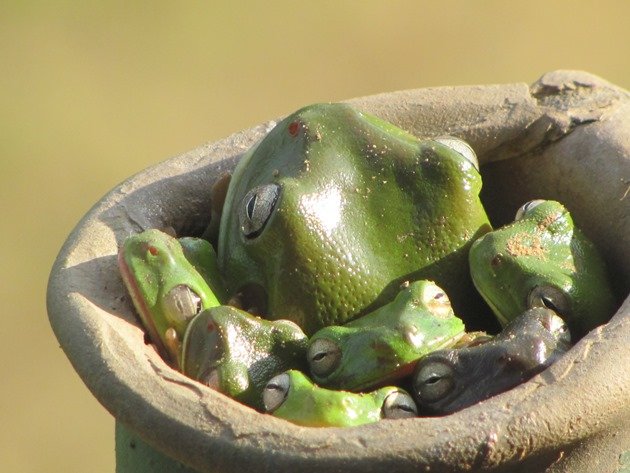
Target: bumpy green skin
pixel 384 345
pixel 543 248
pixel 309 405
pixel 201 255
pixel 242 350
pixel 152 263
pixel 363 206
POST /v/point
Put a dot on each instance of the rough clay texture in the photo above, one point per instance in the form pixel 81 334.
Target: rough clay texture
pixel 567 137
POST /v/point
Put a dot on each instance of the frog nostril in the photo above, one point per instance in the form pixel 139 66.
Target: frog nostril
pixel 496 261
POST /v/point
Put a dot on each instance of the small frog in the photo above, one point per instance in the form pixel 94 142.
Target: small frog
pixel 448 380
pixel 384 345
pixel 237 353
pixel 166 289
pixel 335 208
pixel 543 260
pixel 293 397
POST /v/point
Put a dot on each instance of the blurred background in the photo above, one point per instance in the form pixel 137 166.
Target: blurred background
pixel 94 91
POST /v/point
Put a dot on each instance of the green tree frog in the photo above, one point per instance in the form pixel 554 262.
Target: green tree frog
pixel 237 353
pixel 335 208
pixel 293 397
pixel 384 345
pixel 166 289
pixel 543 260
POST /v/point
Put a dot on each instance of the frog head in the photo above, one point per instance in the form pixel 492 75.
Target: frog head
pixel 448 380
pixel 294 397
pixel 543 260
pixel 166 289
pixel 334 209
pixel 384 345
pixel 236 353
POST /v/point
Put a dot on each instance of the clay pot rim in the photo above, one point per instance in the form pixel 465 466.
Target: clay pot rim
pixel 211 432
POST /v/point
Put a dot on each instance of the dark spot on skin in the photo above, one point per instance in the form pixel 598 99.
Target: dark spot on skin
pixel 210 327
pixel 294 128
pixel 153 250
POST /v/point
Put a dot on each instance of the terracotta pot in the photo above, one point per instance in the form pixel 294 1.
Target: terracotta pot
pixel 567 137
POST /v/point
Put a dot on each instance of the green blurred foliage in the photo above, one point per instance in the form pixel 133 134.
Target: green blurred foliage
pixel 91 92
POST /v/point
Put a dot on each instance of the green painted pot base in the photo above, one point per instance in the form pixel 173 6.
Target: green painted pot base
pixel 133 455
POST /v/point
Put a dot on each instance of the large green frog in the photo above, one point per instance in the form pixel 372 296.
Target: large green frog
pixel 334 209
pixel 543 260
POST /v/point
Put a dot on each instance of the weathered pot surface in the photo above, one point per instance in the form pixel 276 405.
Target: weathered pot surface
pixel 567 137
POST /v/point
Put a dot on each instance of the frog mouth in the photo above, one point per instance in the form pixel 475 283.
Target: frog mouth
pixel 251 297
pixel 142 310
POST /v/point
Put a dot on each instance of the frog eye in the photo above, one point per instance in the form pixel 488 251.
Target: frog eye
pixel 550 297
pixel 433 381
pixel 256 209
pixel 558 328
pixel 461 147
pixel 399 405
pixel 324 357
pixel 211 379
pixel 288 324
pixel 437 301
pixel 288 327
pixel 525 208
pixel 182 303
pixel 276 391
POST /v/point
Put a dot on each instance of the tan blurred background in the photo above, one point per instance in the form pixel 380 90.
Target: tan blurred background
pixel 91 92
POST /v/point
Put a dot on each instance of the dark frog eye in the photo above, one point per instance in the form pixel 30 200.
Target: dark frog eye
pixel 399 405
pixel 550 297
pixel 461 147
pixel 182 303
pixel 525 208
pixel 433 381
pixel 256 209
